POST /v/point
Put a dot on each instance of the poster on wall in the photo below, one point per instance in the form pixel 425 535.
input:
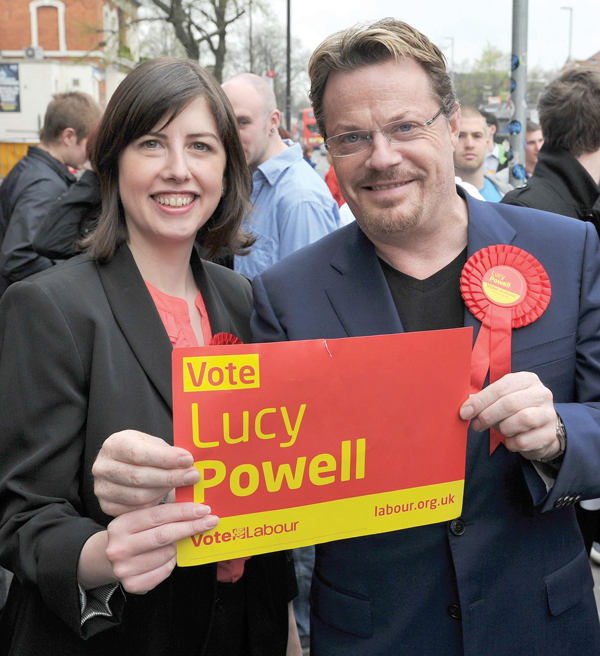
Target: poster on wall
pixel 9 88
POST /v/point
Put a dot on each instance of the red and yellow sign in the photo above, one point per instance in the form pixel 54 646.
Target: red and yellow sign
pixel 307 442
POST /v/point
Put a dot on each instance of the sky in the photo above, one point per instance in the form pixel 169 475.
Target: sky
pixel 471 23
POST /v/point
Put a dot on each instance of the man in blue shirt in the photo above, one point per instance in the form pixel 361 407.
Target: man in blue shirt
pixel 469 156
pixel 292 205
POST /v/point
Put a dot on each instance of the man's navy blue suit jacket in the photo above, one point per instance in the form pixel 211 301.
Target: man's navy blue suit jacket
pixel 517 579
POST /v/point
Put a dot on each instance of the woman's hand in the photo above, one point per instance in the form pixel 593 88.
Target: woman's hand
pixel 139 548
pixel 135 470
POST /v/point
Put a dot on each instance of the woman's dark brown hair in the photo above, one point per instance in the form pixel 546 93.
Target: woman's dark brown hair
pixel 152 94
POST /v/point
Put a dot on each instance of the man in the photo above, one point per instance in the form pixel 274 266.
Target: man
pixel 567 173
pixel 495 159
pixel 534 140
pixel 469 156
pixel 511 575
pixel 37 180
pixel 292 205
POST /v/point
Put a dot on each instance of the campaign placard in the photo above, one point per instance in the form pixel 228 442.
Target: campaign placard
pixel 304 442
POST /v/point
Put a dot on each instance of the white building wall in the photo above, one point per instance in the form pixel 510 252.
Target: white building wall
pixel 39 80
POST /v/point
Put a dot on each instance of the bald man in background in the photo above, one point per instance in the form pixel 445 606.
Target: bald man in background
pixel 292 205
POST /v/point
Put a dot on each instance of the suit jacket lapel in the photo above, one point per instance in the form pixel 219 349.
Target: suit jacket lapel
pixel 361 297
pixel 138 318
pixel 217 313
pixel 487 227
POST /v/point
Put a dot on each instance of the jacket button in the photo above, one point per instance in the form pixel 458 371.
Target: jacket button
pixel 457 526
pixel 559 503
pixel 454 611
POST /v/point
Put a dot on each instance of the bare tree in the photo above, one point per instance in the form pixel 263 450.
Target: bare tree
pixel 199 21
pixel 268 53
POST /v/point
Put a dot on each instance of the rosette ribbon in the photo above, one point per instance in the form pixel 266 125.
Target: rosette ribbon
pixel 504 287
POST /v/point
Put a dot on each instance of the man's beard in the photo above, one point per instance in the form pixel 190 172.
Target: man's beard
pixel 390 217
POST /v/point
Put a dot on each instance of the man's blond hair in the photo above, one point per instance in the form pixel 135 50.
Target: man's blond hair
pixel 366 44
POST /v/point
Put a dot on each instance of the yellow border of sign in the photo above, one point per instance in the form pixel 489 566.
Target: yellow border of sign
pixel 324 522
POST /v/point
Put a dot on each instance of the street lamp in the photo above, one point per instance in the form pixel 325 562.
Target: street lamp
pixel 570 10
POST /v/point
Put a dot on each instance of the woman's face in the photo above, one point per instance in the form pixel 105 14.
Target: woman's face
pixel 170 180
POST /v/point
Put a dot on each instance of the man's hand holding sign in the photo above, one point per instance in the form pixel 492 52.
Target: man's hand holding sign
pixel 520 408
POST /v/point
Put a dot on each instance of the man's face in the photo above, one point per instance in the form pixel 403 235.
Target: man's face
pixel 391 189
pixel 472 145
pixel 253 120
pixel 533 142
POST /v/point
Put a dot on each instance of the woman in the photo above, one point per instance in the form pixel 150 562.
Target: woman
pixel 85 353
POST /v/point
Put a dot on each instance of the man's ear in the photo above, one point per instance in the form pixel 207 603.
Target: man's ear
pixel 68 137
pixel 454 125
pixel 274 120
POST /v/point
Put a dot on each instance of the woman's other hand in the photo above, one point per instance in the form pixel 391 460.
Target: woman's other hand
pixel 135 470
pixel 139 548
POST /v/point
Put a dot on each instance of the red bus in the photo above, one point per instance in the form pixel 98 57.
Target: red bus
pixel 308 130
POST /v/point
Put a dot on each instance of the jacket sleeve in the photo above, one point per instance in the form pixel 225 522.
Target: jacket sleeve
pixel 578 476
pixel 43 409
pixel 17 257
pixel 69 218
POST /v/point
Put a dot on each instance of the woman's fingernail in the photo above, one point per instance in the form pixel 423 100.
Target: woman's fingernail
pixel 191 477
pixel 201 511
pixel 211 521
pixel 185 461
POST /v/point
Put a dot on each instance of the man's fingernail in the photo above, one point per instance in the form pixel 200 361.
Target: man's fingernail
pixel 185 461
pixel 211 521
pixel 191 477
pixel 466 412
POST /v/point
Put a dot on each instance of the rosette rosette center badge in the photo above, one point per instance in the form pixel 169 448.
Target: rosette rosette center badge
pixel 505 288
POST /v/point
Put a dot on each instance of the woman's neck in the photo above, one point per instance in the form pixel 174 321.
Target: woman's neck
pixel 168 270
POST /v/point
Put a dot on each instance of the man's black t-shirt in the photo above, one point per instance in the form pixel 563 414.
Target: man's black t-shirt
pixel 431 304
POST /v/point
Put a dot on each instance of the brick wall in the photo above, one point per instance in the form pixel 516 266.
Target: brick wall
pixel 15 26
pixel 83 25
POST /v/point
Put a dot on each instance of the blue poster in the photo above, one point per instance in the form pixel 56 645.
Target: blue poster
pixel 9 88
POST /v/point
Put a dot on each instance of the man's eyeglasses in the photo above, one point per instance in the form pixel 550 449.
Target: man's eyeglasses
pixel 396 132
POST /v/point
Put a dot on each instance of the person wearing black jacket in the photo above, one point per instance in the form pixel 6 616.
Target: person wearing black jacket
pixel 562 185
pixel 39 179
pixel 70 218
pixel 565 181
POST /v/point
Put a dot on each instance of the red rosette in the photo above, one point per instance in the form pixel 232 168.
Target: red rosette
pixel 539 289
pixel 504 287
pixel 224 339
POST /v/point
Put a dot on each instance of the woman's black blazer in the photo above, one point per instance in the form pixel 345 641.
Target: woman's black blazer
pixel 83 354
